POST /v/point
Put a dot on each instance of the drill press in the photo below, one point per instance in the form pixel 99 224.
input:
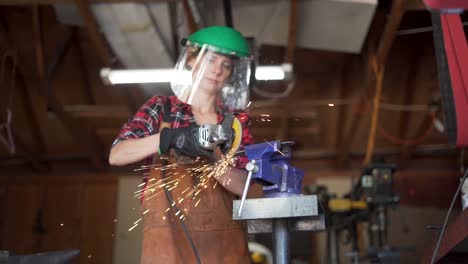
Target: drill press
pixel 283 208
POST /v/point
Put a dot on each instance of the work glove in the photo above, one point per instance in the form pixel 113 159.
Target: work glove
pixel 183 141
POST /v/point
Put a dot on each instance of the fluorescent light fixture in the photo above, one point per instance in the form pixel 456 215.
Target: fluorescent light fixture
pixel 263 73
pixel 137 76
pixel 274 72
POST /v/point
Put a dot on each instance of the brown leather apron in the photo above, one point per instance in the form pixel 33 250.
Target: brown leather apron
pixel 217 238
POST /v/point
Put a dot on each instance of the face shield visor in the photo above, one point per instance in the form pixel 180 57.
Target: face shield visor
pixel 203 71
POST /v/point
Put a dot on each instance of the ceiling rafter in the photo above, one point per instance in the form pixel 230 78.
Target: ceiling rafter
pixel 97 38
pixel 81 132
pixel 82 64
pixel 283 132
pixel 344 92
pixel 51 2
pixel 378 54
pixel 33 118
pixel 410 84
pixel 192 25
pixel 106 56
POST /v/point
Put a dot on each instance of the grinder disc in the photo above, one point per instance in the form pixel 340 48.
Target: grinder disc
pixel 237 130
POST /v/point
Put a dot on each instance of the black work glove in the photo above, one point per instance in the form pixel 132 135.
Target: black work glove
pixel 183 141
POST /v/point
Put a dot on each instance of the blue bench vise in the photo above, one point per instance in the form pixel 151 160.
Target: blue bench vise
pixel 283 207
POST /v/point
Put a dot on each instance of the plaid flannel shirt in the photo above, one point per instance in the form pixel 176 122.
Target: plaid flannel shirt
pixel 148 118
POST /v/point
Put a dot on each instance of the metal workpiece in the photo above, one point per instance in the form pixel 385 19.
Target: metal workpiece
pixel 277 207
pixel 296 224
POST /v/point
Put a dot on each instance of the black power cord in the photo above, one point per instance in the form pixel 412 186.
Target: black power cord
pixel 444 226
pixel 181 221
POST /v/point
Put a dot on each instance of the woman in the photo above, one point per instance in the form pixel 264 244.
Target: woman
pixel 190 221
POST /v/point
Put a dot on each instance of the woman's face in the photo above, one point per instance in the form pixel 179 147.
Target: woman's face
pixel 217 70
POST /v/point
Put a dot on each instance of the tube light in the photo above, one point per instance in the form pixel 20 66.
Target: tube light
pixel 264 73
pixel 276 72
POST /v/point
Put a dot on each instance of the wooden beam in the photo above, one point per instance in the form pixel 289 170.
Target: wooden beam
pixel 54 62
pixel 28 103
pixel 292 32
pixel 192 25
pixel 345 91
pixel 99 42
pixel 98 111
pixel 379 74
pixel 96 37
pixel 32 117
pixel 52 2
pixel 378 56
pixel 83 67
pixel 410 84
pixel 389 34
pixel 415 5
pixel 283 132
pixel 37 31
pixel 81 132
pixel 174 34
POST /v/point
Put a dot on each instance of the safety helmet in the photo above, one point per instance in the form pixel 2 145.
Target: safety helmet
pixel 215 60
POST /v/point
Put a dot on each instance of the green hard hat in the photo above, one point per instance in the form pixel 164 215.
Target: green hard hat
pixel 226 40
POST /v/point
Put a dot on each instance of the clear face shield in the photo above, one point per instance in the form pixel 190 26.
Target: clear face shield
pixel 202 72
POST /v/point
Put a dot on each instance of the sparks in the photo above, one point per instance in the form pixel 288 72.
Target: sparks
pixel 206 175
pixel 275 147
pixel 133 227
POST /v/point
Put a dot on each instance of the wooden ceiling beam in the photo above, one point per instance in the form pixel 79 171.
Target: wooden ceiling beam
pixel 38 43
pixel 83 66
pixel 97 38
pixel 52 2
pixel 283 132
pixel 83 134
pixel 344 92
pixel 410 91
pixel 415 5
pixel 291 48
pixel 378 56
pixel 98 111
pixel 192 24
pixel 105 54
pixel 28 103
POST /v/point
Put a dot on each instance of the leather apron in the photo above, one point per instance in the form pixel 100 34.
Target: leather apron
pixel 217 238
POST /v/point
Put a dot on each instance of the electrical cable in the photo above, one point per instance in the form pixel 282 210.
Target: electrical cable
pixel 181 221
pixel 412 141
pixel 167 118
pixel 444 226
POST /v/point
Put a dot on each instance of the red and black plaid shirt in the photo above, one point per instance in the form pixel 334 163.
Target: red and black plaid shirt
pixel 147 120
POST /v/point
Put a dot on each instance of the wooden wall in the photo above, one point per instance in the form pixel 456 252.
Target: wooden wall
pixel 60 211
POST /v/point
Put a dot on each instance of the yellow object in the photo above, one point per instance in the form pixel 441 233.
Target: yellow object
pixel 237 127
pixel 257 258
pixel 343 205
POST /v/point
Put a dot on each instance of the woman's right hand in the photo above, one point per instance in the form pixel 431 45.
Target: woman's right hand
pixel 183 140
